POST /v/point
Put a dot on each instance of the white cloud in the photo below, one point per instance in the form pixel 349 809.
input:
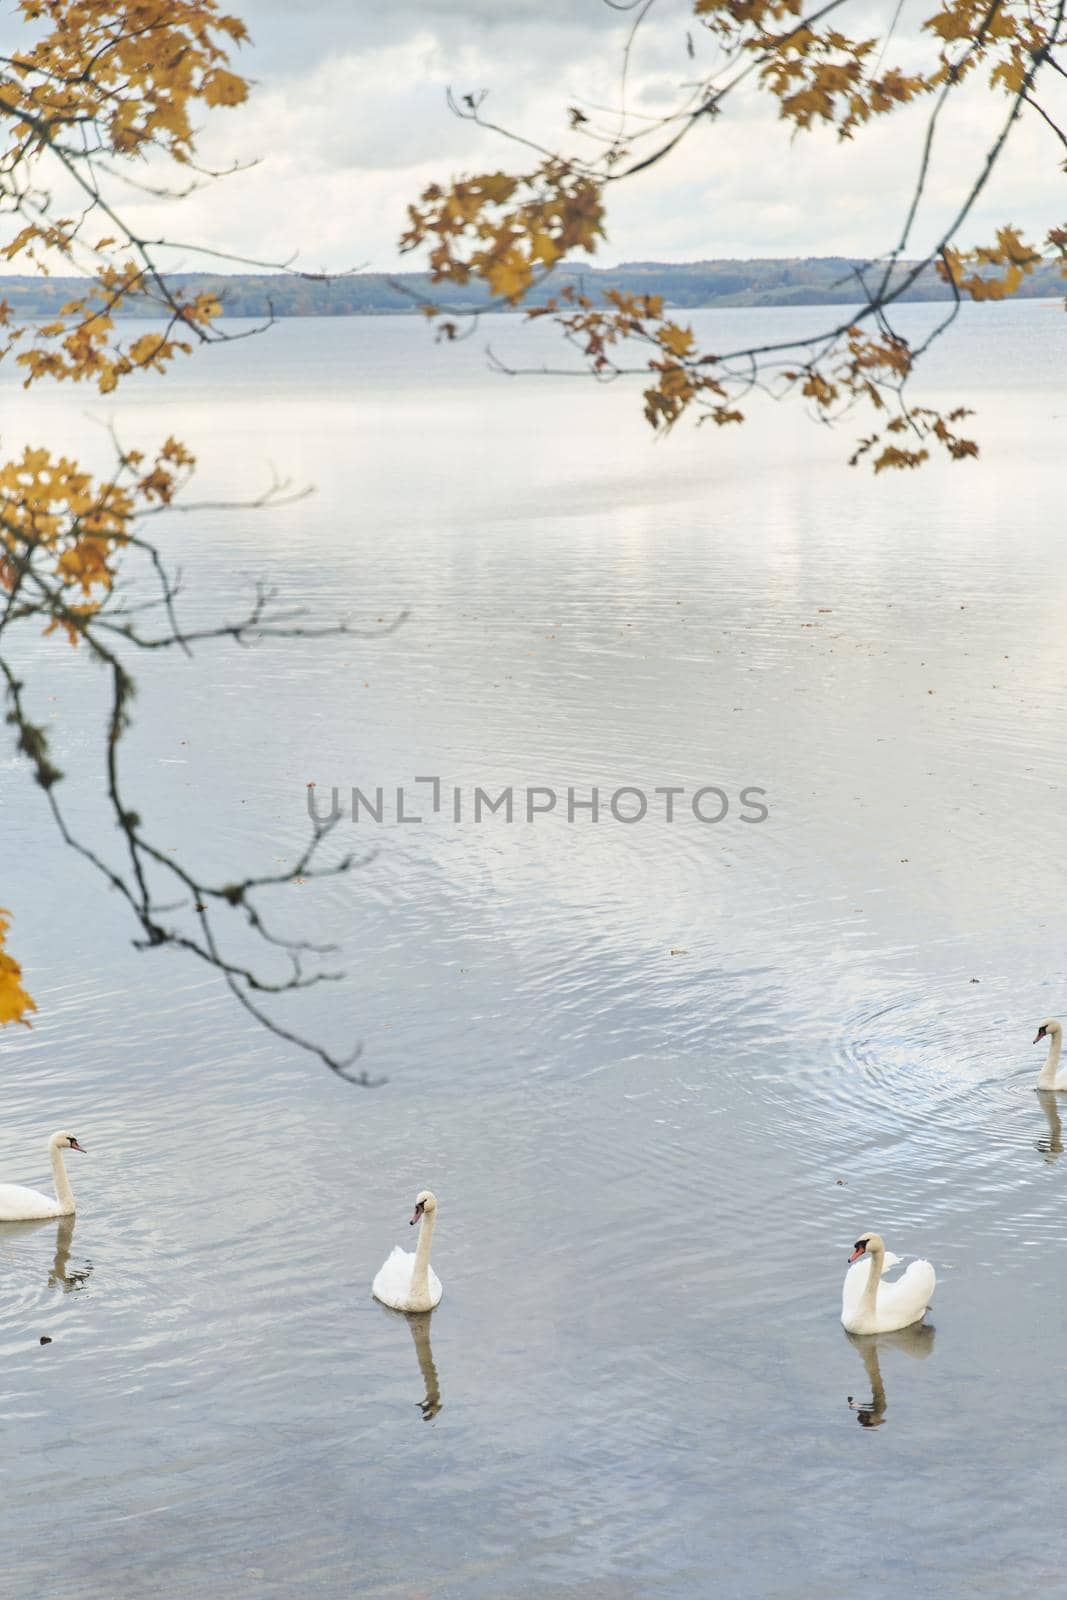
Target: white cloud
pixel 349 122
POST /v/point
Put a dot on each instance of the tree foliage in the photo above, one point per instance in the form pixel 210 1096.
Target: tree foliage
pixel 15 1003
pixel 511 229
pixel 99 90
pixel 102 97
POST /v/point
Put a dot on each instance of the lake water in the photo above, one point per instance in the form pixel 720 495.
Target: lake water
pixel 659 1075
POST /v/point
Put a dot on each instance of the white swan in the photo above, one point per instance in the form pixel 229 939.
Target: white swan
pixel 870 1306
pixel 1046 1078
pixel 408 1282
pixel 26 1205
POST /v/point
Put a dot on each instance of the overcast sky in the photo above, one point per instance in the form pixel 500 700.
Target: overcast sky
pixel 348 122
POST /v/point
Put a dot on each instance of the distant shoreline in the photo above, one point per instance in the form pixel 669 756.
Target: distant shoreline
pixel 808 281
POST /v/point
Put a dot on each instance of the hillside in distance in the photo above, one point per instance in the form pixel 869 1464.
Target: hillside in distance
pixel 810 281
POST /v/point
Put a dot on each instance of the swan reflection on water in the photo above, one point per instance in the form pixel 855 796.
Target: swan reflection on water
pixel 59 1274
pixel 419 1323
pixel 1051 1147
pixel 917 1342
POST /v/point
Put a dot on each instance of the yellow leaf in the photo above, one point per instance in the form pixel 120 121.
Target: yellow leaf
pixel 1012 74
pixel 950 24
pixel 510 276
pixel 147 348
pixel 222 88
pixel 497 186
pixel 545 248
pixel 678 340
pixel 14 1000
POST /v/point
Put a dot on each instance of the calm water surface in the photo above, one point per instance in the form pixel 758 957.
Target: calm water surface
pixel 659 1075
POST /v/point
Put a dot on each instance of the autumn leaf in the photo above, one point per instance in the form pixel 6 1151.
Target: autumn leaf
pixel 56 519
pixel 679 341
pixel 502 227
pixel 894 456
pixel 544 248
pixel 497 186
pixel 15 1003
pixel 952 23
pixel 146 350
pixel 222 88
pixel 1016 259
pixel 509 276
pixel 818 389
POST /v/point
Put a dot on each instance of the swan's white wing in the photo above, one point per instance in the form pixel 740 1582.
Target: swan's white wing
pixel 910 1295
pixel 25 1205
pixel 392 1284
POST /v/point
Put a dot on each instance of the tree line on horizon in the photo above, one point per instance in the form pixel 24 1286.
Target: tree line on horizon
pixel 769 281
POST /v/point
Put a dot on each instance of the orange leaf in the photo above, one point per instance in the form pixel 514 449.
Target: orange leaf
pixel 14 1000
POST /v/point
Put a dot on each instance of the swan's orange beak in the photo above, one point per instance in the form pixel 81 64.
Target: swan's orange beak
pixel 419 1209
pixel 74 1145
pixel 1039 1035
pixel 859 1251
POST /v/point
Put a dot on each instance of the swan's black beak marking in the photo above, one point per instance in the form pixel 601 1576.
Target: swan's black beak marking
pixel 1039 1035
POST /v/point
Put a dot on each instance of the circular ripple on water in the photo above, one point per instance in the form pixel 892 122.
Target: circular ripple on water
pixel 927 1097
pixel 39 1262
pixel 930 1066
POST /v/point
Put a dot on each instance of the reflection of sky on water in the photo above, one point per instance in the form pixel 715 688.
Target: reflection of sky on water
pixel 639 1151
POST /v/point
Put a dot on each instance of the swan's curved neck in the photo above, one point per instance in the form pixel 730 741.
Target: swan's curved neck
pixel 420 1273
pixel 870 1292
pixel 64 1192
pixel 1048 1071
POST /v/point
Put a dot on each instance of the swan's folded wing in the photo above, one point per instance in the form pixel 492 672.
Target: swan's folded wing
pixel 912 1291
pixel 392 1283
pixel 18 1204
pixel 923 1278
